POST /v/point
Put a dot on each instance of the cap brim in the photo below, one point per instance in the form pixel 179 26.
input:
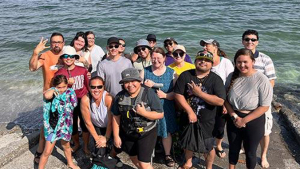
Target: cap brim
pixel 203 57
pixel 135 48
pixel 202 43
pixel 130 79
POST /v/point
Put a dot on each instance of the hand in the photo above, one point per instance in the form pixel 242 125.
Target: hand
pixel 140 108
pixel 41 46
pixel 195 89
pixel 82 59
pixel 149 83
pixel 161 94
pixel 239 122
pixel 101 141
pixel 118 142
pixel 71 81
pixel 224 110
pixel 192 117
pixel 89 75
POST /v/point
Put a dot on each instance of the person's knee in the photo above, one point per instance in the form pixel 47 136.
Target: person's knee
pixel 144 165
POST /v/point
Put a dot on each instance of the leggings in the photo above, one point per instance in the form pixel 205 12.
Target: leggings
pixel 249 135
pixel 220 122
pixel 76 114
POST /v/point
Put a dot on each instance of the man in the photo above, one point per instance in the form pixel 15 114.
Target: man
pixel 264 64
pixel 151 38
pixel 199 91
pixel 143 50
pixel 122 48
pixel 110 69
pixel 49 62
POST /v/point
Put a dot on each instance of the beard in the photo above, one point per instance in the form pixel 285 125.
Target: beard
pixel 56 50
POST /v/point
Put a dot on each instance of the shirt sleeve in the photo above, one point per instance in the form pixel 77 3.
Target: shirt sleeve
pixel 188 59
pixel 100 70
pixel 270 69
pixel 180 84
pixel 154 102
pixel 86 79
pixel 219 88
pixel 265 92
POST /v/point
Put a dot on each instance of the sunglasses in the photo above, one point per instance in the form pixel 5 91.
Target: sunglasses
pixel 98 87
pixel 248 39
pixel 168 44
pixel 66 56
pixel 141 49
pixel 124 45
pixel 178 54
pixel 113 46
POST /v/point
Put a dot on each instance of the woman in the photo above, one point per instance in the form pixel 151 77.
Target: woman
pixel 222 67
pixel 249 96
pixel 169 45
pixel 135 111
pixel 160 78
pixel 96 51
pixel 179 64
pixel 80 44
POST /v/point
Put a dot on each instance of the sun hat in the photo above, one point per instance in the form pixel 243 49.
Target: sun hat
pixel 209 41
pixel 141 42
pixel 112 40
pixel 179 47
pixel 151 37
pixel 170 39
pixel 69 50
pixel 130 74
pixel 205 55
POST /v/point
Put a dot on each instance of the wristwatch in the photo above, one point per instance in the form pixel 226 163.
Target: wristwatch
pixel 233 117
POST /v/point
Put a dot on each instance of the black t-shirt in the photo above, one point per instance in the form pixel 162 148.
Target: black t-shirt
pixel 211 84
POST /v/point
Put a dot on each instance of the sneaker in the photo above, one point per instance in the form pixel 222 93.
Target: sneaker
pixel 119 163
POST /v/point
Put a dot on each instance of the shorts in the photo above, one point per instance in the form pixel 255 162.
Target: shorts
pixel 49 138
pixel 269 122
pixel 142 147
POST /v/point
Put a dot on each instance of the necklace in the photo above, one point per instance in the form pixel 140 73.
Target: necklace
pixel 202 80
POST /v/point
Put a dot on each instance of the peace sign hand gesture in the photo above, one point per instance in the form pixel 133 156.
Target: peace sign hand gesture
pixel 41 46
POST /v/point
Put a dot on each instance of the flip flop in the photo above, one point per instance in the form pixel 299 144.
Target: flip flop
pixel 220 152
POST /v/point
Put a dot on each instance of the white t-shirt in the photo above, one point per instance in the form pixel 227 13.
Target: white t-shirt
pixel 224 69
pixel 97 54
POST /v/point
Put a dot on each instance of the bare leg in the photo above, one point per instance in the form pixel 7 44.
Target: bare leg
pixel 75 139
pixel 188 159
pixel 86 139
pixel 41 145
pixel 68 153
pixel 167 143
pixel 210 159
pixel 135 161
pixel 231 166
pixel 264 144
pixel 219 147
pixel 46 153
pixel 144 165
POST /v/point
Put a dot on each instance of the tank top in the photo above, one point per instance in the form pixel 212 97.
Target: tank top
pixel 99 114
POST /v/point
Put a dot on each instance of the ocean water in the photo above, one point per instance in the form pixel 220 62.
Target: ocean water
pixel 23 23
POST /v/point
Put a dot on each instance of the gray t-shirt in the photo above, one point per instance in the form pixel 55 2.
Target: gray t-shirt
pixel 110 71
pixel 248 93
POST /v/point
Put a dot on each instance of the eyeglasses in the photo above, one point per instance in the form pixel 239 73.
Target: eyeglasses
pixel 248 39
pixel 141 49
pixel 66 56
pixel 178 54
pixel 168 44
pixel 113 46
pixel 98 87
pixel 56 42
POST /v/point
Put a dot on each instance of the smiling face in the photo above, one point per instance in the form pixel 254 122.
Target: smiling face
pixel 210 48
pixel 157 59
pixel 62 87
pixel 203 65
pixel 91 40
pixel 179 56
pixel 169 45
pixel 68 61
pixel 113 49
pixel 245 64
pixel 95 84
pixel 250 42
pixel 132 87
pixel 57 43
pixel 79 44
pixel 143 52
pixel 122 46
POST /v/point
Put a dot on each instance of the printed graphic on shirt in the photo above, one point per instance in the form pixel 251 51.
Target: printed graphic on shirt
pixel 79 80
pixel 195 102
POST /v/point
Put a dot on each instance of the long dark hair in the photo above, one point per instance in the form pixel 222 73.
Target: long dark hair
pixel 236 71
pixel 58 80
pixel 80 34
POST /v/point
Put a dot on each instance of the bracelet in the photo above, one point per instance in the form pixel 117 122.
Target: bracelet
pixel 233 117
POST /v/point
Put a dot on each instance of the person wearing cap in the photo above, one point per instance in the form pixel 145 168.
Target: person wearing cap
pixel 151 38
pixel 110 68
pixel 179 65
pixel 135 111
pixel 223 67
pixel 78 80
pixel 96 51
pixel 199 92
pixel 263 63
pixel 143 50
pixel 169 45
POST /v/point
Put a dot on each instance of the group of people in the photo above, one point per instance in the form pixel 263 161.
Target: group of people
pixel 132 99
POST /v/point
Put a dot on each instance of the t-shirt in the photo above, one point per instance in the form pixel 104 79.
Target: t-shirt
pixel 224 69
pixel 250 92
pixel 97 54
pixel 211 84
pixel 185 67
pixel 140 64
pixel 111 71
pixel 50 64
pixel 170 59
pixel 81 83
pixel 264 64
pixel 152 101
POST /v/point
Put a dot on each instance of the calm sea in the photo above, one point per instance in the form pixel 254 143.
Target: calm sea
pixel 23 23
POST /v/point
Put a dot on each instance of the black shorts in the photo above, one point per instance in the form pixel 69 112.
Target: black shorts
pixel 141 146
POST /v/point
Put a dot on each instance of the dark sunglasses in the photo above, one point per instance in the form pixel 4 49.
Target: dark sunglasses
pixel 98 87
pixel 124 45
pixel 248 39
pixel 113 46
pixel 66 56
pixel 168 44
pixel 141 49
pixel 178 54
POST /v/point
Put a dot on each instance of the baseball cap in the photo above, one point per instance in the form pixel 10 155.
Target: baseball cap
pixel 179 47
pixel 141 42
pixel 69 50
pixel 209 41
pixel 130 74
pixel 170 39
pixel 112 40
pixel 205 55
pixel 151 37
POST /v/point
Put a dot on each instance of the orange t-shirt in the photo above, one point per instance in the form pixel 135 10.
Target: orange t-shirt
pixel 50 64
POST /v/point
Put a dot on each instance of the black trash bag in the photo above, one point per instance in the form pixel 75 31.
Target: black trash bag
pixel 192 138
pixel 103 160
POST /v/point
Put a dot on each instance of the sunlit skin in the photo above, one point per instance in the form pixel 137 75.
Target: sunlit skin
pixel 144 54
pixel 158 60
pixel 210 48
pixel 250 45
pixel 79 44
pixel 91 40
pixel 121 48
pixel 113 51
pixel 132 87
pixel 57 43
pixel 203 65
pixel 245 65
pixel 152 43
pixel 96 93
pixel 168 47
pixel 68 61
pixel 179 60
pixel 62 87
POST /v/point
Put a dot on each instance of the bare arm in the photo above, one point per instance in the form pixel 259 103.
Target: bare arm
pixel 151 115
pixel 116 130
pixel 272 82
pixel 48 94
pixel 108 101
pixel 180 99
pixel 34 63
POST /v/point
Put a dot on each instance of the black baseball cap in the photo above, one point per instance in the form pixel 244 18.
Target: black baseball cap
pixel 151 37
pixel 112 40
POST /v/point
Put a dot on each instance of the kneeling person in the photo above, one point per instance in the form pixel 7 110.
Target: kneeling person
pixel 135 111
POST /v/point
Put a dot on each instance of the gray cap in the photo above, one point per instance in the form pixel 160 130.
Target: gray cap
pixel 141 42
pixel 209 41
pixel 130 74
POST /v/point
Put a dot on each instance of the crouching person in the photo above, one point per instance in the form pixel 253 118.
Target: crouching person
pixel 135 111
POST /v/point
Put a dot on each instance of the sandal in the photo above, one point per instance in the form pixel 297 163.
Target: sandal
pixel 169 161
pixel 219 153
pixel 37 156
